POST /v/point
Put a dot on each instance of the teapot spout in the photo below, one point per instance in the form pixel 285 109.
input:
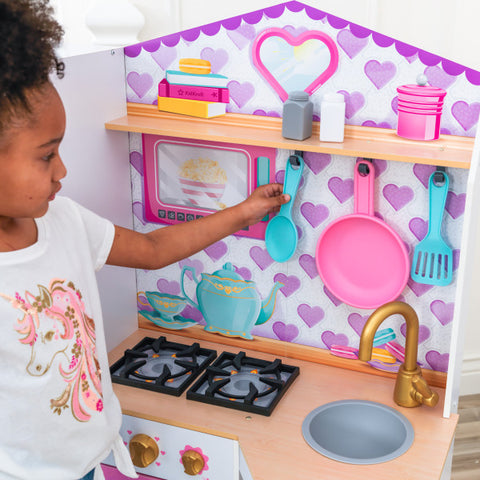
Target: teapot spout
pixel 268 305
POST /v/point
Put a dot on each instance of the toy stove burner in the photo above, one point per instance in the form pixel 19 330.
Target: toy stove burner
pixel 160 365
pixel 244 383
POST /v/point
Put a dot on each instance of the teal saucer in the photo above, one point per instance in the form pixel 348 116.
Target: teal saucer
pixel 177 323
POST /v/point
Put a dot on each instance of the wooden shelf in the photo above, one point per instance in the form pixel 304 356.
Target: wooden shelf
pixel 366 142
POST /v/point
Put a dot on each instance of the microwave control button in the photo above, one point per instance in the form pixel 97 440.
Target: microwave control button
pixel 143 450
pixel 171 215
pixel 162 214
pixel 190 217
pixel 180 216
pixel 193 462
pixel 199 216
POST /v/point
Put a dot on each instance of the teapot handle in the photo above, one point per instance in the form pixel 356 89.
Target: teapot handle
pixel 182 278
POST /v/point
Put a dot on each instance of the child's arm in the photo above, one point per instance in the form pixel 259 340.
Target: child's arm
pixel 173 243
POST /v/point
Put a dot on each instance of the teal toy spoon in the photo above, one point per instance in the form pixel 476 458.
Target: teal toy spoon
pixel 281 236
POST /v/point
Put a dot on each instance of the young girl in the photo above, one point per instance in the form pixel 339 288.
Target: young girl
pixel 60 417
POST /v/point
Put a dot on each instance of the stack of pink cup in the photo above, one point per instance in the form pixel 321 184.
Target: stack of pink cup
pixel 419 111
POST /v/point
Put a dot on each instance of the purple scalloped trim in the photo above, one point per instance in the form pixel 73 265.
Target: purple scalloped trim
pixel 276 11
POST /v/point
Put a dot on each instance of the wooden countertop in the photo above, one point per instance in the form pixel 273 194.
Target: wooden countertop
pixel 273 446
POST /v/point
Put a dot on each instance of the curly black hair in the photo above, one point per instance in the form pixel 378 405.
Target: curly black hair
pixel 29 35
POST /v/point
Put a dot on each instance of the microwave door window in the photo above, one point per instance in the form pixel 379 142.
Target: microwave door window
pixel 201 177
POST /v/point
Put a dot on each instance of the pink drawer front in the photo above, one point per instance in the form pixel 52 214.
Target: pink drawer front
pixel 111 473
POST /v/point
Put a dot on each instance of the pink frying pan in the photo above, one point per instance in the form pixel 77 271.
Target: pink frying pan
pixel 360 259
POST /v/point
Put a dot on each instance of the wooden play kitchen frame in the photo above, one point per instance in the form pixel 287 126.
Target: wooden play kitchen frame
pixel 365 142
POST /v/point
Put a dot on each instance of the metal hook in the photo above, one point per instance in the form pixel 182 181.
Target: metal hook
pixel 439 176
pixel 363 168
pixel 293 159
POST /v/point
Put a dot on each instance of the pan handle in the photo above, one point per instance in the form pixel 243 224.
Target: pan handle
pixel 363 187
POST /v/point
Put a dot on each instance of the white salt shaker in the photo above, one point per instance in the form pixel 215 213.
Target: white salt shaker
pixel 332 117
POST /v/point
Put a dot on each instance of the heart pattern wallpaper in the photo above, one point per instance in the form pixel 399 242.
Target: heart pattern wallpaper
pixel 368 69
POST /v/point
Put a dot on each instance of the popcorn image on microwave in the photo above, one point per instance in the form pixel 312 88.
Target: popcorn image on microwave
pixel 202 181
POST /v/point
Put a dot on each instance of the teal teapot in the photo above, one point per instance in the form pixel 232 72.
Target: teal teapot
pixel 229 304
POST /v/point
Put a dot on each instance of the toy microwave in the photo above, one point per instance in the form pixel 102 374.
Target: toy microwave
pixel 188 179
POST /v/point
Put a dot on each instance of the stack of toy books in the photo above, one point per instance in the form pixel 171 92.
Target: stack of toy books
pixel 193 90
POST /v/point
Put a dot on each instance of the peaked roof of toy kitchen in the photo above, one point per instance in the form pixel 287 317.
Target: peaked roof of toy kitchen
pixel 252 18
pixel 351 38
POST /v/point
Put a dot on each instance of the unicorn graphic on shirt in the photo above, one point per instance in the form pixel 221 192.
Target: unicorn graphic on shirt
pixel 55 326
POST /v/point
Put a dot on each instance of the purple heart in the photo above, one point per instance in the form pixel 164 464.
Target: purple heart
pixel 137 209
pixel 165 286
pixel 317 162
pixel 197 266
pixel 380 166
pixel 242 35
pixel 286 332
pixel 380 73
pixel 353 102
pixel 456 258
pixel 330 338
pixel 295 31
pixel 164 56
pixel 244 272
pixel 310 315
pixel 291 283
pixel 241 93
pixel 351 44
pixel 217 250
pixel 438 361
pixel 418 227
pixel 371 123
pixel 396 196
pixel 357 322
pixel 332 297
pixel 418 289
pixel 394 105
pixel 142 303
pixel 261 257
pixel 443 311
pixel 217 58
pixel 455 204
pixel 423 332
pixel 314 214
pixel 140 83
pixel 437 77
pixel 270 113
pixel 423 172
pixel 307 262
pixel 411 58
pixel 342 189
pixel 466 114
pixel 136 160
pixel 193 314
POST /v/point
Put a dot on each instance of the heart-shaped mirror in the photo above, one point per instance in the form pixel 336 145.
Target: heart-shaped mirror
pixel 289 63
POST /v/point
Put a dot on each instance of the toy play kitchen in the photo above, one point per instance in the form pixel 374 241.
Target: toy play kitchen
pixel 270 362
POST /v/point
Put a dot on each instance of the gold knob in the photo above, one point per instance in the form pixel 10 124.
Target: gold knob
pixel 143 450
pixel 193 462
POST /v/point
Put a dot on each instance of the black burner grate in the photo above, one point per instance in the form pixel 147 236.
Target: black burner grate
pixel 244 383
pixel 163 366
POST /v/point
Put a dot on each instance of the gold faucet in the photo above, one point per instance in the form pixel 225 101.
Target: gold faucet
pixel 411 389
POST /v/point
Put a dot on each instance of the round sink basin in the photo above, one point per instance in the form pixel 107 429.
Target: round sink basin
pixel 358 432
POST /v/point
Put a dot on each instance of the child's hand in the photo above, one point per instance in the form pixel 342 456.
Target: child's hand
pixel 263 200
pixel 165 246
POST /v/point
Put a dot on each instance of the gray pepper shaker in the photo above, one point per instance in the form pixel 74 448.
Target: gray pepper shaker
pixel 297 116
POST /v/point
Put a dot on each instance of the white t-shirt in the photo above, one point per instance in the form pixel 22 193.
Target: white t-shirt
pixel 60 417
